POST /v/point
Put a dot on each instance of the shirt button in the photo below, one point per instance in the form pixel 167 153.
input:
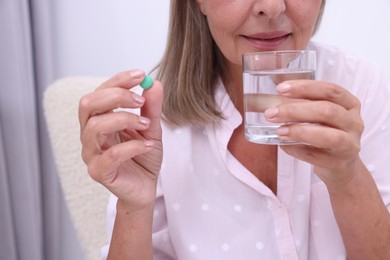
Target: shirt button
pixel 280 211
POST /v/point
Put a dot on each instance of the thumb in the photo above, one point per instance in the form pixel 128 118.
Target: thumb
pixel 152 109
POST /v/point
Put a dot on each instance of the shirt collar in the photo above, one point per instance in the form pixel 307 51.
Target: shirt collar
pixel 222 130
pixel 230 114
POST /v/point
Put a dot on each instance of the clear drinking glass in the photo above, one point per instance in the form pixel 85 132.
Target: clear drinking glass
pixel 262 72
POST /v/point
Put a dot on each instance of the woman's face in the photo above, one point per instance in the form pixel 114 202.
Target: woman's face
pixel 240 26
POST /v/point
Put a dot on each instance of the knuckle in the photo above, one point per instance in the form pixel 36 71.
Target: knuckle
pixel 94 172
pixel 123 121
pixel 289 109
pixel 113 154
pixel 119 97
pixel 356 148
pixel 333 92
pixel 93 123
pixel 338 140
pixel 85 102
pixel 121 77
pixel 359 126
pixel 357 103
pixel 345 143
pixel 84 155
pixel 329 112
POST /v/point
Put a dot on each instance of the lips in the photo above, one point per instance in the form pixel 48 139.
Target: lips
pixel 268 41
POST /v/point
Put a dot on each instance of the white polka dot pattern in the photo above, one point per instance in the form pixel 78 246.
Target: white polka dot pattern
pixel 193 248
pixel 210 206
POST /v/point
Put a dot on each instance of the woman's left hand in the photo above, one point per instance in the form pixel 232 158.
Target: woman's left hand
pixel 331 142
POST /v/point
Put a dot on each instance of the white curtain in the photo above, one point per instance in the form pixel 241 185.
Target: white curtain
pixel 33 216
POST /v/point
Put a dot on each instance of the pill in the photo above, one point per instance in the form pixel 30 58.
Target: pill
pixel 147 82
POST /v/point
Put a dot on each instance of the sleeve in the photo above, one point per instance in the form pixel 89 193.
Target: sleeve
pixel 162 244
pixel 375 141
pixel 111 213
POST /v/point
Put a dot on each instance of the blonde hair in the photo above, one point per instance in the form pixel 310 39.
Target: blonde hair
pixel 190 67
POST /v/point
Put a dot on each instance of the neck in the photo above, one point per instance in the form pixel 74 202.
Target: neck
pixel 233 84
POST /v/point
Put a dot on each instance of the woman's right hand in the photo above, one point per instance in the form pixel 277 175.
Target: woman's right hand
pixel 123 151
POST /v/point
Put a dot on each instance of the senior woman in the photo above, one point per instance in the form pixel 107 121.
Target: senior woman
pixel 210 194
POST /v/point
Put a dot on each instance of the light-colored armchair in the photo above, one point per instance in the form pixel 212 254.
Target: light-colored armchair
pixel 86 199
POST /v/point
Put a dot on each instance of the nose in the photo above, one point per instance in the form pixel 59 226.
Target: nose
pixel 269 8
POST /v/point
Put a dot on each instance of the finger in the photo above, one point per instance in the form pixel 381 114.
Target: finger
pixel 152 109
pixel 310 154
pixel 106 100
pixel 125 79
pixel 98 127
pixel 331 139
pixel 104 167
pixel 261 102
pixel 323 112
pixel 318 90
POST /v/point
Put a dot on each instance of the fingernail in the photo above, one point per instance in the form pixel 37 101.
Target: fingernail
pixel 137 74
pixel 271 112
pixel 138 99
pixel 283 87
pixel 281 131
pixel 144 120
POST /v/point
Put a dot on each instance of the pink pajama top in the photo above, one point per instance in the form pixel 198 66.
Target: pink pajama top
pixel 209 206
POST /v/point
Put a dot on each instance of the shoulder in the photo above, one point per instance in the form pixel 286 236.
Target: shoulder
pixel 331 57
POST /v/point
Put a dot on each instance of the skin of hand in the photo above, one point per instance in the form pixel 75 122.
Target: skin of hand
pixel 332 140
pixel 331 143
pixel 123 150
